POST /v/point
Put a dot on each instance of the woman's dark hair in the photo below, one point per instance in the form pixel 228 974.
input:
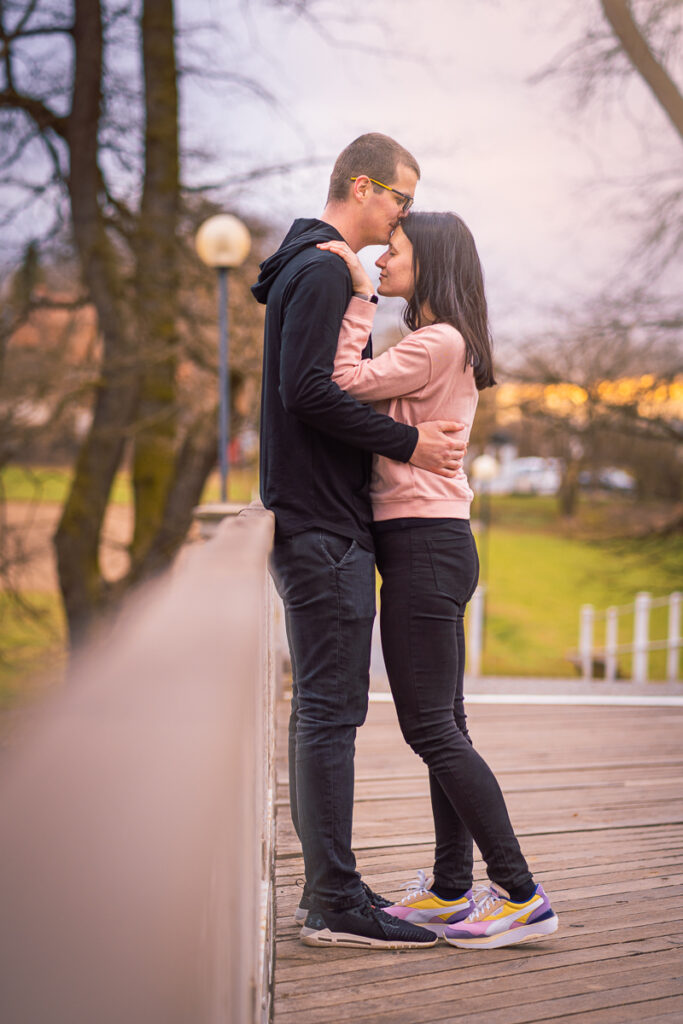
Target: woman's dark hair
pixel 450 282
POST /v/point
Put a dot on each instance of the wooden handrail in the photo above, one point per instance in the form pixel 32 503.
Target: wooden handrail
pixel 136 810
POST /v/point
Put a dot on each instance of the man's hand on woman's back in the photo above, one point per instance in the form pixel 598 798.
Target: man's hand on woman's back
pixel 437 449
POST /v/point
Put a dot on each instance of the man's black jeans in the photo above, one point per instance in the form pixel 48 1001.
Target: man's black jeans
pixel 327 584
pixel 429 573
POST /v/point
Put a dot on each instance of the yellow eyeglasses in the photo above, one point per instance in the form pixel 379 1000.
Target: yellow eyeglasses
pixel 407 200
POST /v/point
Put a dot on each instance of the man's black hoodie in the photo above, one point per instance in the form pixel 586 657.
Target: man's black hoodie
pixel 316 441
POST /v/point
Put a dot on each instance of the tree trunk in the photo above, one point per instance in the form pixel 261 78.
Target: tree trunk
pixel 568 494
pixel 662 86
pixel 133 281
pixel 196 458
pixel 78 534
pixel 157 278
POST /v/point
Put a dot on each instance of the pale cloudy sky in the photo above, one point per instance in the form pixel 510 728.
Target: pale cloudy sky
pixel 540 183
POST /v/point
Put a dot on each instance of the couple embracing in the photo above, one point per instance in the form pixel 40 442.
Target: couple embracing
pixel 361 463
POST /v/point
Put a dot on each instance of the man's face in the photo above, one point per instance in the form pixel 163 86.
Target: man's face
pixel 383 210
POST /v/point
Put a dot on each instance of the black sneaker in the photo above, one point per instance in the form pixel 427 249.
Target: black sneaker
pixel 363 927
pixel 375 898
pixel 305 903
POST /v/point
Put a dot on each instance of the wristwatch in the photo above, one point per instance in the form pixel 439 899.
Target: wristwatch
pixel 366 298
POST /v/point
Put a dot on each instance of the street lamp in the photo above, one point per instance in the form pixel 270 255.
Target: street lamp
pixel 223 242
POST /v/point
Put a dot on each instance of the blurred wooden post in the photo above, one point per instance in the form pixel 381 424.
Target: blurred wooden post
pixel 673 636
pixel 611 643
pixel 586 640
pixel 641 629
pixel 136 810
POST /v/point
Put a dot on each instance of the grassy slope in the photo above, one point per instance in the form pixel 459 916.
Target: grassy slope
pixel 538 582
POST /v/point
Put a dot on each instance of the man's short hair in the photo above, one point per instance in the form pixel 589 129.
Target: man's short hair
pixel 373 154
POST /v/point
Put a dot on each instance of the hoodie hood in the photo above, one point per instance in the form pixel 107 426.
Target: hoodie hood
pixel 304 233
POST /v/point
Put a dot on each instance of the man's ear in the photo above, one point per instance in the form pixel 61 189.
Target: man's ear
pixel 360 187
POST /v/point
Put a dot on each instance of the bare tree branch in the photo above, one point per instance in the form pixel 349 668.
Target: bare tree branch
pixel 653 73
pixel 205 73
pixel 44 118
pixel 258 173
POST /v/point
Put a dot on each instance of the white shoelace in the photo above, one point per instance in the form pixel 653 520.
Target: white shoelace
pixel 416 887
pixel 484 896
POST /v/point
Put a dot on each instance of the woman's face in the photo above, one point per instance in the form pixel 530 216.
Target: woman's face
pixel 396 265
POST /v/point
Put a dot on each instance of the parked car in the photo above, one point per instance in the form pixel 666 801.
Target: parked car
pixel 528 475
pixel 610 478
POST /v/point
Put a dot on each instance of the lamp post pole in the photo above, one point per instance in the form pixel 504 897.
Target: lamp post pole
pixel 223 381
pixel 223 242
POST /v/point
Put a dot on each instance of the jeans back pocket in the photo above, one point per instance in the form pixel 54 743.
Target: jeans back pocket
pixel 455 564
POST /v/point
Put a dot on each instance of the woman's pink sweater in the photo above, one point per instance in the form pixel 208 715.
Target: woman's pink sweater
pixel 421 378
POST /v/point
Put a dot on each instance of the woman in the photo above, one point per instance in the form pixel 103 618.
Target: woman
pixel 427 558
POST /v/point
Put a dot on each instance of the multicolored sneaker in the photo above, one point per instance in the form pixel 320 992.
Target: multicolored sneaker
pixel 305 903
pixel 363 927
pixel 423 907
pixel 497 921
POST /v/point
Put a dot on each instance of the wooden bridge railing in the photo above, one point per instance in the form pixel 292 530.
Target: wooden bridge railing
pixel 136 830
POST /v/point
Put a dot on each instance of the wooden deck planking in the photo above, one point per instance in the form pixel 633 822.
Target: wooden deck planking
pixel 595 795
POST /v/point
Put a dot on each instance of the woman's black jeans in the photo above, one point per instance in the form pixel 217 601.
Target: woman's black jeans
pixel 429 573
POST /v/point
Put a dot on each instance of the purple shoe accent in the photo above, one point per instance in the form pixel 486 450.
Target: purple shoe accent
pixel 541 911
pixel 497 921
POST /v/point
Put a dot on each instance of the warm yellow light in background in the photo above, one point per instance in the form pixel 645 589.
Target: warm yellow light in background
pixel 223 241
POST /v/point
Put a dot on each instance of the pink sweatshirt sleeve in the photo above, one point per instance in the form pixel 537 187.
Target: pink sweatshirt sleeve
pixel 400 370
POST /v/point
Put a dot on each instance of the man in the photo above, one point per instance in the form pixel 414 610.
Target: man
pixel 316 450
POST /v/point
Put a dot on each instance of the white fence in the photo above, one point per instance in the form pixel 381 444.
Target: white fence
pixel 606 655
pixel 592 657
pixel 136 810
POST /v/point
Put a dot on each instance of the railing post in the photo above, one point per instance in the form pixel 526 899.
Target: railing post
pixel 586 640
pixel 674 636
pixel 475 634
pixel 611 642
pixel 641 629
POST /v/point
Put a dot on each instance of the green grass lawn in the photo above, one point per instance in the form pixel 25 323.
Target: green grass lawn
pixel 538 581
pixel 242 486
pixel 44 484
pixel 32 641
